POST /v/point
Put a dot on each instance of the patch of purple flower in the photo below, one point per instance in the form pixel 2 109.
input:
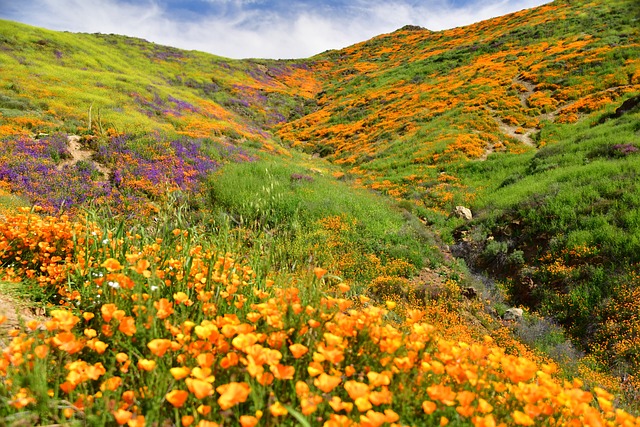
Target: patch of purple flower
pixel 625 149
pixel 142 169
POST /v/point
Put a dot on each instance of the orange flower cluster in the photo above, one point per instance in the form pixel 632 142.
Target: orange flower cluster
pixel 199 339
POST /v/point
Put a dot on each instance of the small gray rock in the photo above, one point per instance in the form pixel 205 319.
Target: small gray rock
pixel 462 212
pixel 513 314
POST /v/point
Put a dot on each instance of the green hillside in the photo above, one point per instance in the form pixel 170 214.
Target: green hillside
pixel 198 240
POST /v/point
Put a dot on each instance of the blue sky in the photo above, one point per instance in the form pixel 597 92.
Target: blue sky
pixel 254 28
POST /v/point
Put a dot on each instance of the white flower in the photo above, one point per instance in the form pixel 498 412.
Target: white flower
pixel 154 288
pixel 105 241
pixel 114 285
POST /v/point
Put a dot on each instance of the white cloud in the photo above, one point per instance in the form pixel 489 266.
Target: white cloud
pixel 251 32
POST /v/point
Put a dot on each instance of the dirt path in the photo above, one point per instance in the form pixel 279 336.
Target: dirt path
pixel 524 134
pixel 78 155
pixel 16 312
pixel 521 133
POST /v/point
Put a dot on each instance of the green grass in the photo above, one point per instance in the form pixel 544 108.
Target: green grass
pixel 579 191
pixel 288 202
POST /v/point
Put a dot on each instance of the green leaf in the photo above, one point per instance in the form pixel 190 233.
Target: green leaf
pixel 298 416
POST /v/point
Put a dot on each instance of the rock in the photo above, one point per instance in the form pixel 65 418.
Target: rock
pixel 513 314
pixel 469 292
pixel 627 106
pixel 462 212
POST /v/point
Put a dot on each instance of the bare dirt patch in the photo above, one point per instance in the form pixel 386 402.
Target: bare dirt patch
pixel 17 311
pixel 78 154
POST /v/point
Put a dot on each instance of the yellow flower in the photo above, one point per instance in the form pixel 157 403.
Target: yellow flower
pixel 522 419
pixel 277 410
pixel 146 364
pixel 180 373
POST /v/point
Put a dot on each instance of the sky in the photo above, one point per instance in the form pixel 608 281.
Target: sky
pixel 277 29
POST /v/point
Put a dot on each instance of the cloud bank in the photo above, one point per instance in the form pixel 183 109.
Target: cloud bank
pixel 254 28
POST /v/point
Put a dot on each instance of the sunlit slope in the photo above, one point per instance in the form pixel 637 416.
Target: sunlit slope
pixel 397 109
pixel 53 81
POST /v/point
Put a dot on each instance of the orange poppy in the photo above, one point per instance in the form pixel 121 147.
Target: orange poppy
pixel 159 346
pixel 326 383
pixel 146 364
pixel 248 421
pixel 282 372
pixel 127 326
pixel 319 272
pixel 356 389
pixel 199 388
pixel 232 394
pixel 122 416
pixel 164 308
pixel 112 264
pixel 180 373
pixel 177 397
pixel 277 410
pixel 107 311
pixel 428 407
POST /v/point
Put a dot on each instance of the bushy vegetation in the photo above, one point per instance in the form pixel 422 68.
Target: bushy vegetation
pixel 568 212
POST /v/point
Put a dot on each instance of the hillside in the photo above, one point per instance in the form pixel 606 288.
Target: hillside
pixel 203 241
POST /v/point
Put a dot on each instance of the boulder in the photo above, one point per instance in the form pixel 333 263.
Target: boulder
pixel 627 106
pixel 469 292
pixel 462 212
pixel 513 314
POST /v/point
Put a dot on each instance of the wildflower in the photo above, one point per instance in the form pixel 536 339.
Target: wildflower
pixel 122 416
pixel 356 389
pixel 428 407
pixel 326 383
pixel 486 421
pixel 41 351
pixel 522 419
pixel 232 394
pixel 164 308
pixel 112 265
pixel 319 272
pixel 159 346
pixel 127 326
pixel 107 311
pixel 177 397
pixel 250 420
pixel 442 393
pixel 146 364
pixel 65 319
pixel 199 388
pixel 180 373
pixel 282 372
pixel 277 410
pixel 204 410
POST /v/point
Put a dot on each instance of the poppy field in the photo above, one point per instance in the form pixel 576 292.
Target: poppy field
pixel 189 240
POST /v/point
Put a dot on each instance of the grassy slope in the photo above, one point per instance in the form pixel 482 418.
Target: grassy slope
pixel 403 113
pixel 414 114
pixel 52 79
pixel 401 108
